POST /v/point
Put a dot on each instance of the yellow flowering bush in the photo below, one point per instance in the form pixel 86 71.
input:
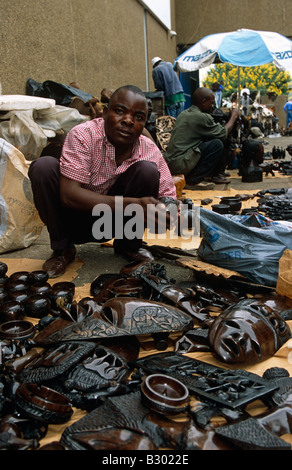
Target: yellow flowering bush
pixel 265 78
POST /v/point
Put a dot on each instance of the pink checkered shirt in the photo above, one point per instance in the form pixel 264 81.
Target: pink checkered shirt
pixel 89 158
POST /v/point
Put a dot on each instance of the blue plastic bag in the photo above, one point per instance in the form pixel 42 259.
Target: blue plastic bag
pixel 251 245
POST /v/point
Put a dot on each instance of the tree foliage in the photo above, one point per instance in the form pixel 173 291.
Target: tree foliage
pixel 264 78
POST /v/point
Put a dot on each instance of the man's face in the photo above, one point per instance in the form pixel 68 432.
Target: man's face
pixel 125 118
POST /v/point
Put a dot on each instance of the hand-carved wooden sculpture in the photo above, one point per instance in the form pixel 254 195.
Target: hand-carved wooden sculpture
pixel 246 332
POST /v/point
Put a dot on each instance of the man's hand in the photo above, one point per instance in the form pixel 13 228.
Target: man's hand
pixel 234 113
pixel 157 216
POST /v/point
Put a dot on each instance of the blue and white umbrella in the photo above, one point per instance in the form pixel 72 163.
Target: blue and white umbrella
pixel 244 48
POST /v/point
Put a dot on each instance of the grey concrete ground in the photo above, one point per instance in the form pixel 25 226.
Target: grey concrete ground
pixel 99 259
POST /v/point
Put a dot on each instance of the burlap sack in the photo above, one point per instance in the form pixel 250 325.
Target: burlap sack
pixel 284 282
pixel 20 224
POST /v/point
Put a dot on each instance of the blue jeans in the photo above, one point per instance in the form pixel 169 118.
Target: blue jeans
pixel 175 109
pixel 218 99
pixel 289 118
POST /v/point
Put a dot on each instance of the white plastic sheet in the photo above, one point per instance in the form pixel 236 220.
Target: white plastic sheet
pixel 24 102
pixel 22 132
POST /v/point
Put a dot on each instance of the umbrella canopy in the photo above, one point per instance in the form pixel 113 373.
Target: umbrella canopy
pixel 244 48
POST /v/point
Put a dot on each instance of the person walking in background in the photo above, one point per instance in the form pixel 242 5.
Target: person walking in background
pixel 218 95
pixel 245 100
pixel 245 103
pixel 217 89
pixel 165 79
pixel 288 111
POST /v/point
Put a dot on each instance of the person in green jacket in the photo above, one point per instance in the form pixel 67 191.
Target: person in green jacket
pixel 196 146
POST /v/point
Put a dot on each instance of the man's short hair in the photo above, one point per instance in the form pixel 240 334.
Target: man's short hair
pixel 132 88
